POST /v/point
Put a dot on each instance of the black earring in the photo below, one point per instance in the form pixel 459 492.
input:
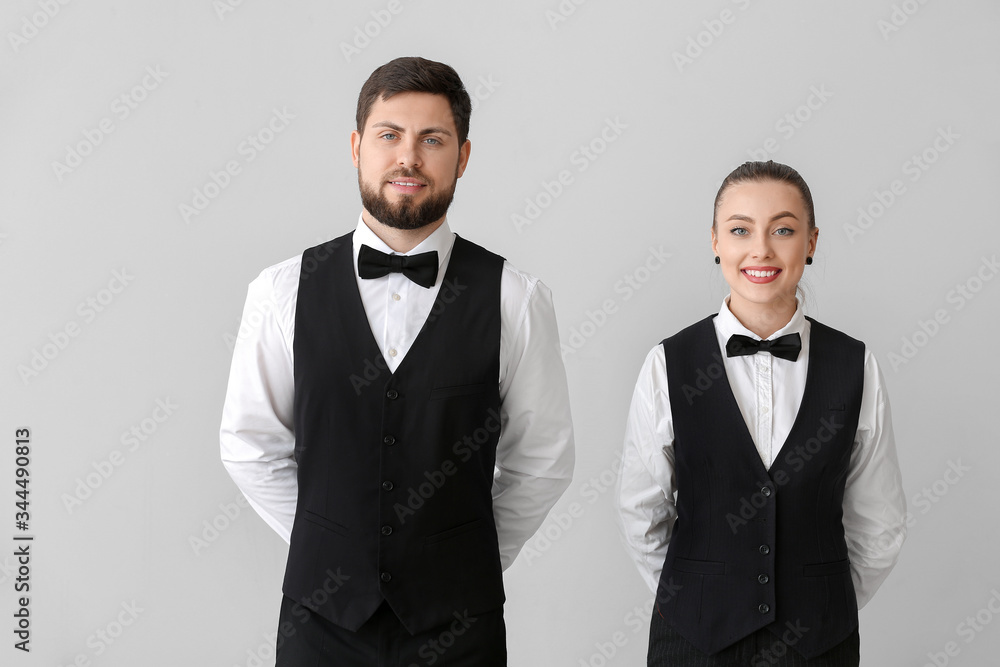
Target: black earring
pixel 809 260
pixel 717 260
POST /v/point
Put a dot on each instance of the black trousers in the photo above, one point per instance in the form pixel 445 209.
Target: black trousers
pixel 306 639
pixel 761 649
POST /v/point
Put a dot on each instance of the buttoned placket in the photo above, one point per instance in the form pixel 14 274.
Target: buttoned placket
pixel 763 379
pixel 396 326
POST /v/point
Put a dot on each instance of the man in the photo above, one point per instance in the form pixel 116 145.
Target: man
pixel 401 414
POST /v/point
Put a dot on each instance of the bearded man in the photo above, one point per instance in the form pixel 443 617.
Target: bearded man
pixel 400 414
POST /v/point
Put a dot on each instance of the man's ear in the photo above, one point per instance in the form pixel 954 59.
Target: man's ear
pixel 356 149
pixel 463 157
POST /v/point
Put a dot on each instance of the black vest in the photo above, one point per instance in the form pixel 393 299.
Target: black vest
pixel 753 547
pixel 395 470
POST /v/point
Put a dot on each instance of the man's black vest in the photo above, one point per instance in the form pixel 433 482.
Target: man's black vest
pixel 753 547
pixel 395 470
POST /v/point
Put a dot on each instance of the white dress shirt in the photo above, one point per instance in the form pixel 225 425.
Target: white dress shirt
pixel 534 461
pixel 769 391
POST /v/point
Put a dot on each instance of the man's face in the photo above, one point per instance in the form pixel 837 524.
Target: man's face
pixel 409 160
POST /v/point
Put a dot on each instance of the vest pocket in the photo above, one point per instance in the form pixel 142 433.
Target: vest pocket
pixel 452 532
pixel 826 569
pixel 458 390
pixel 323 522
pixel 699 566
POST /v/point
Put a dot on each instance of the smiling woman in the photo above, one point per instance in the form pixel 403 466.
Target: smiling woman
pixel 768 234
pixel 764 507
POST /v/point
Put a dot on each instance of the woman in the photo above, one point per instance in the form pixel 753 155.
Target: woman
pixel 760 492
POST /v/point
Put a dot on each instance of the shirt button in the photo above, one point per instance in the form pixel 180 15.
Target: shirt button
pixel 385 576
pixel 764 549
pixel 387 485
pixel 396 297
pixel 392 352
pixel 389 440
pixel 392 394
pixel 766 491
pixel 763 579
pixel 387 530
pixel 763 608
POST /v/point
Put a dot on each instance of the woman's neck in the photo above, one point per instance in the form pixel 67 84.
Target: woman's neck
pixel 763 318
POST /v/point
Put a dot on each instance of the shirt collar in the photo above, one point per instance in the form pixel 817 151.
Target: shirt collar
pixel 441 240
pixel 727 324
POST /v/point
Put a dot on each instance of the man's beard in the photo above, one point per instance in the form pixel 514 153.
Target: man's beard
pixel 405 214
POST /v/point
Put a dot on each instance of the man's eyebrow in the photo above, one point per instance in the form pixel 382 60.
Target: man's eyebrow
pixel 430 130
pixel 436 130
pixel 388 124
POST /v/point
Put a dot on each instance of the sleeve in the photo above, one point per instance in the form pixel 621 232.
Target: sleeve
pixel 646 509
pixel 535 456
pixel 256 436
pixel 874 503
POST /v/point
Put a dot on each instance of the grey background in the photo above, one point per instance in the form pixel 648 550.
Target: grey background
pixel 545 87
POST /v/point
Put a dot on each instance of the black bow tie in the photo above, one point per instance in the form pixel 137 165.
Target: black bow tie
pixel 421 269
pixel 783 347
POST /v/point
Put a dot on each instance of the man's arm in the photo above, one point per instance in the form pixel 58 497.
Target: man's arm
pixel 874 504
pixel 646 509
pixel 256 435
pixel 535 453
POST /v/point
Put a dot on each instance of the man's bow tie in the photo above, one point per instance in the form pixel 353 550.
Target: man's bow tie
pixel 421 269
pixel 783 347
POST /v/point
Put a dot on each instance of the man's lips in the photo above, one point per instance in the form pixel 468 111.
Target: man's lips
pixel 406 185
pixel 760 274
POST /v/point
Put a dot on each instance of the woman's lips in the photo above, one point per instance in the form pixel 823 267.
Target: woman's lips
pixel 760 274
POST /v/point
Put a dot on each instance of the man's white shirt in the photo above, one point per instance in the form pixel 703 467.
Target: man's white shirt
pixel 535 457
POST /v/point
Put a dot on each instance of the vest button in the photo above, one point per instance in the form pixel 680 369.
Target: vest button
pixel 385 576
pixel 389 440
pixel 392 394
pixel 387 485
pixel 764 549
pixel 763 579
pixel 763 608
pixel 387 530
pixel 766 491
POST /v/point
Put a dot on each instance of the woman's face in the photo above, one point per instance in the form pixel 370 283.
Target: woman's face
pixel 762 238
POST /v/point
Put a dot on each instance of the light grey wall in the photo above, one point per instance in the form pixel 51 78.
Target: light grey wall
pixel 851 93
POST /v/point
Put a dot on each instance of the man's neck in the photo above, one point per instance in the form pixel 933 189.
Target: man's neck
pixel 400 240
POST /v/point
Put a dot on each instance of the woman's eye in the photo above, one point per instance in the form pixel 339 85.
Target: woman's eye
pixel 739 231
pixel 784 231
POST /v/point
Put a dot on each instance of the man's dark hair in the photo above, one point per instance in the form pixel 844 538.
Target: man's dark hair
pixel 758 172
pixel 416 75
